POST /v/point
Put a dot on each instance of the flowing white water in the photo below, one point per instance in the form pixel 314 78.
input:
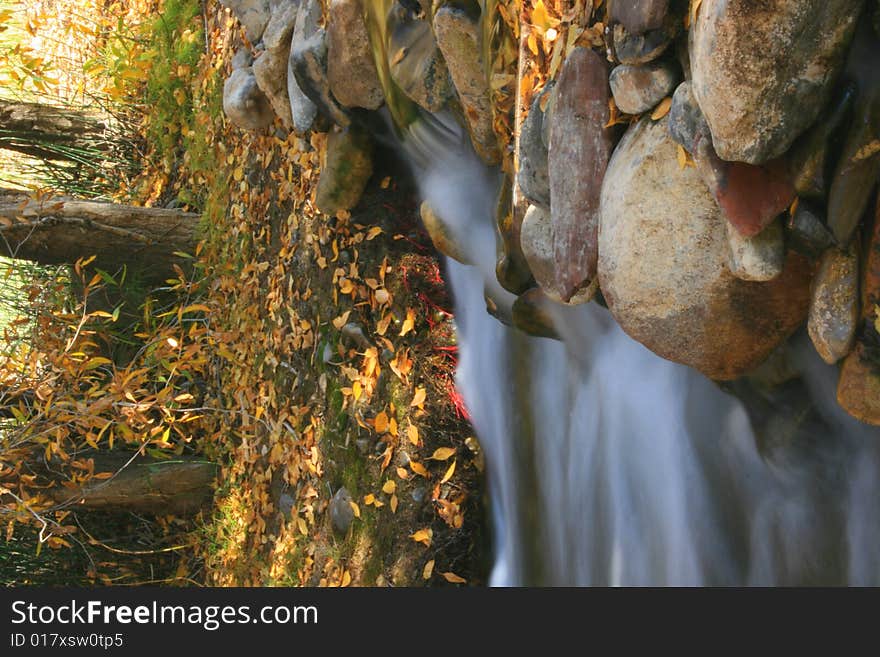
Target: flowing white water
pixel 608 465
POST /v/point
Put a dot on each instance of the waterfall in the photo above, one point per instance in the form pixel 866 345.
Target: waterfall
pixel 608 465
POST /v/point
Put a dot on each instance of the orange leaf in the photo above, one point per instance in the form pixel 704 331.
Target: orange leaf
pixel 419 398
pixel 442 453
pixel 662 109
pixel 428 570
pixel 381 423
pixel 455 579
pixel 423 536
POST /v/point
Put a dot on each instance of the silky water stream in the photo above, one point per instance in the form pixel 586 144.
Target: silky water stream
pixel 608 465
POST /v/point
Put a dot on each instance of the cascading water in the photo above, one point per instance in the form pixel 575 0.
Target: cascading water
pixel 608 465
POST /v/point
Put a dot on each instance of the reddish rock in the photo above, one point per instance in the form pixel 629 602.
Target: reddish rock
pixel 580 147
pixel 858 390
pixel 750 196
pixel 639 16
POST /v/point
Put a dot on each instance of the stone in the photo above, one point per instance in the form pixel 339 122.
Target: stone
pixel 580 146
pixel 806 231
pixel 638 49
pixel 811 158
pixel 243 102
pixel 637 89
pixel 286 504
pixel 762 72
pixel 303 111
pixel 270 68
pixel 308 56
pixel 351 68
pixel 750 196
pixel 341 512
pixel 757 258
pixel 531 314
pixel 834 305
pixel 858 168
pixel 415 62
pixel 858 389
pixel 241 59
pixel 548 116
pixel 354 334
pixel 511 269
pixel 639 16
pixel 663 265
pixel 686 120
pixel 346 166
pixel 457 30
pixel 252 14
pixel 442 235
pixel 532 176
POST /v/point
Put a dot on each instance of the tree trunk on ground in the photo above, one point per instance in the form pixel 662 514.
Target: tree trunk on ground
pixel 182 486
pixel 49 132
pixel 59 230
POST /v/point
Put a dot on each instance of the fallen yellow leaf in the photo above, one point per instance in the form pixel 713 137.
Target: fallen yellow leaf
pixel 355 508
pixel 413 432
pixel 662 109
pixel 428 570
pixel 419 398
pixel 442 453
pixel 455 579
pixel 393 503
pixel 389 487
pixel 423 536
pixel 448 474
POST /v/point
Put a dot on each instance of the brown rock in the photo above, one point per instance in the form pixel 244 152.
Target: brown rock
pixel 458 37
pixel 532 315
pixel 270 69
pixel 637 89
pixel 639 16
pixel 749 196
pixel 351 68
pixel 858 390
pixel 663 265
pixel 580 147
pixel 346 166
pixel 414 60
pixel 834 306
pixel 442 235
pixel 757 258
pixel 762 71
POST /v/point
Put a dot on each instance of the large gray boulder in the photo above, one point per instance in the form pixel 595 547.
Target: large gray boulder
pixel 663 265
pixel 762 72
pixel 252 14
pixel 270 68
pixel 243 102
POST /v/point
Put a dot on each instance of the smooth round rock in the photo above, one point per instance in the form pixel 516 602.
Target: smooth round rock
pixel 663 265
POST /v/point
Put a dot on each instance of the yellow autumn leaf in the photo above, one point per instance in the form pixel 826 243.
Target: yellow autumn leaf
pixel 428 570
pixel 340 321
pixel 423 536
pixel 369 499
pixel 419 398
pixel 403 474
pixel 355 508
pixel 346 579
pixel 409 323
pixel 418 468
pixel 539 15
pixel 449 473
pixel 453 578
pixel 413 433
pixel 868 150
pixel 393 503
pixel 389 487
pixel 662 109
pixel 381 423
pixel 442 453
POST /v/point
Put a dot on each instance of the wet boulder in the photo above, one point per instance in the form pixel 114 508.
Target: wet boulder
pixel 637 89
pixel 663 265
pixel 252 14
pixel 458 33
pixel 532 176
pixel 834 306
